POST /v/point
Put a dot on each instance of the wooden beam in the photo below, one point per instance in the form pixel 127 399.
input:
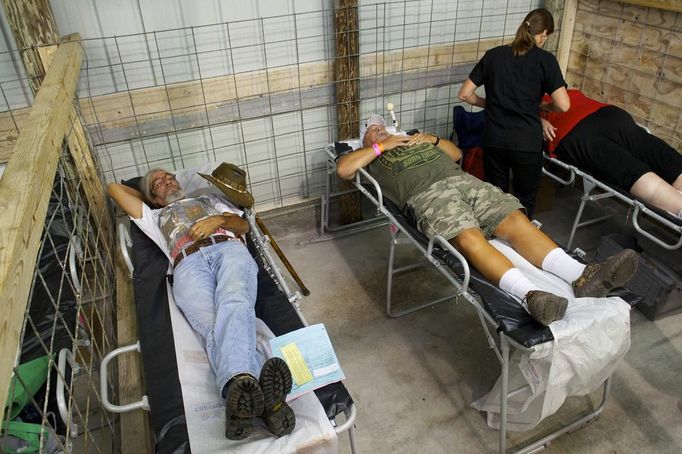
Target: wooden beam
pixel 347 81
pixel 10 125
pixel 91 185
pixel 32 24
pixel 25 189
pixel 670 5
pixel 136 435
pixel 566 36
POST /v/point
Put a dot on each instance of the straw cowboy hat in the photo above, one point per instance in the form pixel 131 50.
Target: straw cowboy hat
pixel 231 180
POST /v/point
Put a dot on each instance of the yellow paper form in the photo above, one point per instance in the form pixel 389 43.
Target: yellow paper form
pixel 299 369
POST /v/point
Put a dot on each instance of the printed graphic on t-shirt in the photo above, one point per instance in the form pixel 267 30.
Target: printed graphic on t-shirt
pixel 176 219
pixel 401 159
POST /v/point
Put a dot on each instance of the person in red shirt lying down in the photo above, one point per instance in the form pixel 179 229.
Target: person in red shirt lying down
pixel 605 141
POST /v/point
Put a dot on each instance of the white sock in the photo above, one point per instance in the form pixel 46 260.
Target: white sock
pixel 514 282
pixel 561 264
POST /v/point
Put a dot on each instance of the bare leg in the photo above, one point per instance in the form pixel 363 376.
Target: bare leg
pixel 531 243
pixel 677 184
pixel 653 189
pixel 490 262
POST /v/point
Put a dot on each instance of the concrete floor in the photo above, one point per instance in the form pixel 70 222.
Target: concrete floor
pixel 414 378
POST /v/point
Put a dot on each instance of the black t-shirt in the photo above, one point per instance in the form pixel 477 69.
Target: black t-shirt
pixel 514 87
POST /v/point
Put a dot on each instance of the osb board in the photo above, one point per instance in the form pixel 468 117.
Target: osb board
pixel 629 56
pixel 672 5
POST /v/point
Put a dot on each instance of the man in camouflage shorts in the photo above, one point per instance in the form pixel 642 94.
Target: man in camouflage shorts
pixel 420 172
pixel 461 202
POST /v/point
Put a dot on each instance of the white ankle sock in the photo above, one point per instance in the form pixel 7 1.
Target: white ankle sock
pixel 561 264
pixel 514 282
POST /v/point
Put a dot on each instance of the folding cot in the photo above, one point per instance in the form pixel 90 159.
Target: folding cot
pixel 276 305
pixel 494 307
pixel 595 190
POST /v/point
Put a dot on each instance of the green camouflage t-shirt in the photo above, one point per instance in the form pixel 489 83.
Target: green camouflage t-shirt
pixel 407 171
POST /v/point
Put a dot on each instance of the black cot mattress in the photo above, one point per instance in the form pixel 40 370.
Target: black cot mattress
pixel 158 348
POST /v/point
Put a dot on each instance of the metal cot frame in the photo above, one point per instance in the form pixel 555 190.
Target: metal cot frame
pixel 261 242
pixel 595 190
pixel 461 285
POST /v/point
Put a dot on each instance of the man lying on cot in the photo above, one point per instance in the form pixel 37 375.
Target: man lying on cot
pixel 605 141
pixel 215 285
pixel 419 172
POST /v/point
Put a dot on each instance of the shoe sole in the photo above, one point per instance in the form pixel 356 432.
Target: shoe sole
pixel 244 402
pixel 552 312
pixel 275 382
pixel 622 270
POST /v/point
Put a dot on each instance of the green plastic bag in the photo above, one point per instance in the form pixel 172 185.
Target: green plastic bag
pixel 20 437
pixel 33 376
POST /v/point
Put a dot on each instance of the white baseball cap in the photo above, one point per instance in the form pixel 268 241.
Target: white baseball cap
pixel 374 119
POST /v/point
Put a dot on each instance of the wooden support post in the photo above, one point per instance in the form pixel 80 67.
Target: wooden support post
pixel 135 425
pixel 25 190
pixel 91 185
pixel 566 36
pixel 32 24
pixel 347 73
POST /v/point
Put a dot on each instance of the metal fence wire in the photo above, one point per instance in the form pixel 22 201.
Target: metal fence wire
pixel 54 404
pixel 261 92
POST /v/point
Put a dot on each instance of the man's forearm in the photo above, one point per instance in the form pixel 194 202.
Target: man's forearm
pixel 129 199
pixel 234 224
pixel 350 163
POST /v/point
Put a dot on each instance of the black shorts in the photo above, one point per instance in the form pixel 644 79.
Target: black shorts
pixel 610 146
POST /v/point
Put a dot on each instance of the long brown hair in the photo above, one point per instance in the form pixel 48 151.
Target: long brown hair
pixel 533 24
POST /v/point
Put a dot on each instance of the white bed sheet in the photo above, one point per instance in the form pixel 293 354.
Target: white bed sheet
pixel 205 409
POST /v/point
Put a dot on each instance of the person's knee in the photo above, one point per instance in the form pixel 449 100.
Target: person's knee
pixel 514 222
pixel 469 240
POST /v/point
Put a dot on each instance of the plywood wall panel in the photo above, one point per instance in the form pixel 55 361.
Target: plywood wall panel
pixel 661 18
pixel 631 56
pixel 631 33
pixel 666 115
pixel 672 70
pixel 590 6
pixel 634 13
pixel 675 40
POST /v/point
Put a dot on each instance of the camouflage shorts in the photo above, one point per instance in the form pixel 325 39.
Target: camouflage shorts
pixel 461 202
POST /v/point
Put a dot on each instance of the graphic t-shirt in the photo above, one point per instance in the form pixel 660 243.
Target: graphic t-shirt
pixel 169 226
pixel 407 171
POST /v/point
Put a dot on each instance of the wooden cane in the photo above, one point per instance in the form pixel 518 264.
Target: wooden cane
pixel 283 258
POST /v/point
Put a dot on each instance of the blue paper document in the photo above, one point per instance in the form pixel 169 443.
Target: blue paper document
pixel 310 356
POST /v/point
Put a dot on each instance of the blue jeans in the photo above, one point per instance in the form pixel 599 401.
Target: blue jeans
pixel 215 288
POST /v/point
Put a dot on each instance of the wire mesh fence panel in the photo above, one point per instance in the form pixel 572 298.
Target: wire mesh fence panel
pixel 261 92
pixel 69 326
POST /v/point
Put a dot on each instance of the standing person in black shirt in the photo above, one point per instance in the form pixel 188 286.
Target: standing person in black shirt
pixel 516 76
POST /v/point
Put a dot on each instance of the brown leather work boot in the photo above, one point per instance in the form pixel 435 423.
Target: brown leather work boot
pixel 545 307
pixel 599 279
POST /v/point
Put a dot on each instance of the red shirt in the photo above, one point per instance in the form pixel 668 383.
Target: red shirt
pixel 581 107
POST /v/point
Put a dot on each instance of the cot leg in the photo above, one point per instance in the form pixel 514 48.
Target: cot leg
pixel 570 427
pixel 578 215
pixel 504 347
pixel 324 202
pixel 389 284
pixel 353 441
